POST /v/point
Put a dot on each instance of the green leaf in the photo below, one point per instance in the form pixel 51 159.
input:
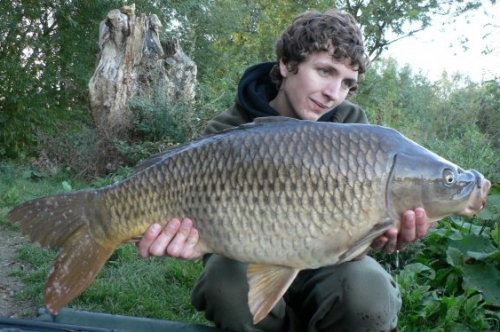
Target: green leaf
pixel 454 257
pixel 492 209
pixel 472 303
pixel 452 308
pixel 484 256
pixel 66 186
pixel 412 270
pixel 467 227
pixel 495 190
pixel 484 278
pixel 495 235
pixel 475 243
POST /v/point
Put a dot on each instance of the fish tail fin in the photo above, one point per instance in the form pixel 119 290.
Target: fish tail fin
pixel 50 221
pixel 74 269
pixel 63 222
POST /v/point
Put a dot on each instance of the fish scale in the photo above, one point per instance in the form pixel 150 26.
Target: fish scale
pixel 280 194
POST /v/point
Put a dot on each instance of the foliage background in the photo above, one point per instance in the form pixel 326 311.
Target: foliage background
pixel 48 51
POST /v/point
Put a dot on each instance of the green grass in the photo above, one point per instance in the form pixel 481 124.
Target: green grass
pixel 153 288
pixel 127 285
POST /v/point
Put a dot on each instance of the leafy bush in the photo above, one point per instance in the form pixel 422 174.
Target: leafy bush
pixel 450 280
pixel 161 123
pixel 156 119
pixel 472 150
pixel 71 149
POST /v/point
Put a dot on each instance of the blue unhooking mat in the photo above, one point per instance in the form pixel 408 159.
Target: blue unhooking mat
pixel 70 320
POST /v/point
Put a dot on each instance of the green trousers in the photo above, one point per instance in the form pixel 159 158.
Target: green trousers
pixel 354 296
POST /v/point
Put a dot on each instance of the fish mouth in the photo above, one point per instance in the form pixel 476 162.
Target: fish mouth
pixel 477 199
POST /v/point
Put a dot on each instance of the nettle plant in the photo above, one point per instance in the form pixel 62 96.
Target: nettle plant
pixel 451 279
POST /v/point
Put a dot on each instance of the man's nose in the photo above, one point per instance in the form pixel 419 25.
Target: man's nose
pixel 332 89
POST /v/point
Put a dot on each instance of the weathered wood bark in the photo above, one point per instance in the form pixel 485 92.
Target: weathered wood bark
pixel 131 63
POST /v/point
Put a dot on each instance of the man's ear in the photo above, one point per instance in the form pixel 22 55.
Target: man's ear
pixel 283 69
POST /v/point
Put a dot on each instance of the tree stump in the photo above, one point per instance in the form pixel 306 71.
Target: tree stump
pixel 131 63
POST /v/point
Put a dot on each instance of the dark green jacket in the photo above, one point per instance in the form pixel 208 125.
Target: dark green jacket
pixel 256 90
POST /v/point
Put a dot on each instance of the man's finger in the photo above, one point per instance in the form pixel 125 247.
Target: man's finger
pixel 392 240
pixel 407 232
pixel 421 224
pixel 149 236
pixel 178 243
pixel 190 251
pixel 379 242
pixel 161 243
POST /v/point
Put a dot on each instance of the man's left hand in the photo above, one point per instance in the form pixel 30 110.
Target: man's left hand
pixel 414 226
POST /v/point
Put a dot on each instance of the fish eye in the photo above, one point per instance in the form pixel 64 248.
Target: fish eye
pixel 448 177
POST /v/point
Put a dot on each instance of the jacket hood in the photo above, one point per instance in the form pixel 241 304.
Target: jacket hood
pixel 256 90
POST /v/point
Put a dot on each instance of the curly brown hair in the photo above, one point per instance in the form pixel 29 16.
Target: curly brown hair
pixel 314 32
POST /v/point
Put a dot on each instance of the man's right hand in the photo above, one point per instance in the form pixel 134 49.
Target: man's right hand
pixel 177 239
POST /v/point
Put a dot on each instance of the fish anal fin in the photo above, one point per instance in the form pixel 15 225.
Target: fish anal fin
pixel 267 285
pixel 74 269
pixel 362 246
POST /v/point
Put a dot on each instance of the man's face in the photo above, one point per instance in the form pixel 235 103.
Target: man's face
pixel 320 84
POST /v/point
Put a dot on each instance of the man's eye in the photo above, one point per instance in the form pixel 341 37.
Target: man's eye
pixel 349 85
pixel 324 71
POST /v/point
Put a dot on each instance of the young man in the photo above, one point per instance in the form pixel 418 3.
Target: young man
pixel 320 57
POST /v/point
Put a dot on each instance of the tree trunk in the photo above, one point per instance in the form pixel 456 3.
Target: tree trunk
pixel 132 63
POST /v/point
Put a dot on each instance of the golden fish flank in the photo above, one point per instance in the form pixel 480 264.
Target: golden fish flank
pixel 281 194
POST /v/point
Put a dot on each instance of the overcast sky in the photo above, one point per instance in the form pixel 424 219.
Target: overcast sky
pixel 438 47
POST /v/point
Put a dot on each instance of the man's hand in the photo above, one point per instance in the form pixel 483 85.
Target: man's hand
pixel 177 239
pixel 413 226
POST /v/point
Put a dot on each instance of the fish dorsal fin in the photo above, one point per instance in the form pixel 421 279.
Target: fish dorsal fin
pixel 159 157
pixel 362 245
pixel 149 162
pixel 268 284
pixel 272 119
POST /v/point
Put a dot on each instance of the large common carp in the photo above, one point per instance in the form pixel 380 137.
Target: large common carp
pixel 281 194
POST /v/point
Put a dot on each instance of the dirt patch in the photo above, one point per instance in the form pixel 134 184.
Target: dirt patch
pixel 10 241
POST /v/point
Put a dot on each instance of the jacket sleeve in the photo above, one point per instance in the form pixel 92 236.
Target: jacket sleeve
pixel 348 112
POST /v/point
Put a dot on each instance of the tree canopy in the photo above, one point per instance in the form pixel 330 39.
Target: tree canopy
pixel 48 50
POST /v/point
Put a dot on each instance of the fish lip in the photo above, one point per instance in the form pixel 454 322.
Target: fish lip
pixel 477 202
pixel 471 209
pixel 486 188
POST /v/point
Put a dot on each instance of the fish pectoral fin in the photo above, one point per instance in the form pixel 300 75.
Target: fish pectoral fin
pixel 363 245
pixel 74 269
pixel 268 284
